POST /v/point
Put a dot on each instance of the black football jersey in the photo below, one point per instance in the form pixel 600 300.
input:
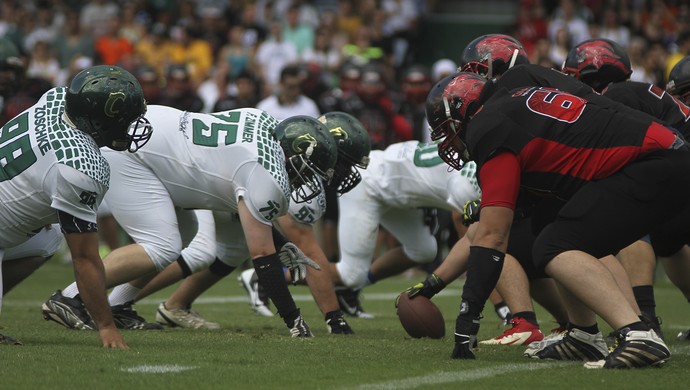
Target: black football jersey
pixel 562 141
pixel 654 101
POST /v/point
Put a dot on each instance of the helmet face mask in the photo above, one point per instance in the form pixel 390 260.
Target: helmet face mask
pixel 450 105
pixel 108 103
pixel 598 62
pixel 354 146
pixel 310 154
pixel 492 55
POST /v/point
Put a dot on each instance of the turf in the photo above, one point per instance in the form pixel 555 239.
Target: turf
pixel 257 352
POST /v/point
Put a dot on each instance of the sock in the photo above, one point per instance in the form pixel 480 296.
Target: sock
pixel 71 291
pixel 644 295
pixel 122 294
pixel 528 316
pixel 269 269
pixel 639 325
pixel 333 314
pixel 592 329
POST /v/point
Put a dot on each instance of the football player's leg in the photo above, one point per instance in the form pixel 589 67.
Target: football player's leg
pixel 358 228
pixel 22 260
pixel 639 262
pixel 418 244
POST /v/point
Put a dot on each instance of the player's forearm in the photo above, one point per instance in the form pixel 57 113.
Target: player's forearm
pixel 90 276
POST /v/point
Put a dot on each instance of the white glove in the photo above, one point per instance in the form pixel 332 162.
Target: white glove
pixel 296 262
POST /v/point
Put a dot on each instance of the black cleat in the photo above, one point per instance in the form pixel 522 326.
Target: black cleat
pixel 127 318
pixel 337 325
pixel 349 302
pixel 68 312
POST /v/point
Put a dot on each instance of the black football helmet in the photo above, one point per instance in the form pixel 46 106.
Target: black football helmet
pixel 107 103
pixel 449 107
pixel 492 55
pixel 310 152
pixel 354 147
pixel 679 80
pixel 11 68
pixel 598 62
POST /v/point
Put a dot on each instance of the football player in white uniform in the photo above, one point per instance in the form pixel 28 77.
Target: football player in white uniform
pixel 399 181
pixel 213 262
pixel 51 170
pixel 240 161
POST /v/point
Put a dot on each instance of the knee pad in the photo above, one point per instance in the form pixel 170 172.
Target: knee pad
pixel 352 276
pixel 163 255
pixel 198 258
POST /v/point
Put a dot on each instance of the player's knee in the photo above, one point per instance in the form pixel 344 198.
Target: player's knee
pixel 352 277
pixel 421 254
pixel 197 260
pixel 163 255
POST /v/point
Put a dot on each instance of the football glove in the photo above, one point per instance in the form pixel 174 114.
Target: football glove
pixel 431 286
pixel 296 262
pixel 466 329
pixel 470 212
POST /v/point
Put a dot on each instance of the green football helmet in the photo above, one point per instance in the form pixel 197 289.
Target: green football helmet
pixel 11 68
pixel 354 147
pixel 310 153
pixel 107 103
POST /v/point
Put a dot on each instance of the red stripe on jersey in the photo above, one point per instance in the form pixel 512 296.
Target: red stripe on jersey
pixel 542 155
pixel 500 179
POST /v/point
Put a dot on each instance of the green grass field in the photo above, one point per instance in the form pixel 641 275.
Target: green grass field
pixel 257 352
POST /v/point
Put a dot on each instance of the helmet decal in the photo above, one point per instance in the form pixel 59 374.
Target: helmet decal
pixel 338 132
pixel 113 99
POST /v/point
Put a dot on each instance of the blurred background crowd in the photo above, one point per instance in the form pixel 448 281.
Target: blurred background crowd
pixel 365 57
pixel 375 59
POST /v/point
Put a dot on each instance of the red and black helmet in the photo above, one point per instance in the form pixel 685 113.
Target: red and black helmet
pixel 679 80
pixel 449 107
pixel 598 62
pixel 492 55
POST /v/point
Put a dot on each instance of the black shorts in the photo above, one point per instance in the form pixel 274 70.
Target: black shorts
pixel 649 196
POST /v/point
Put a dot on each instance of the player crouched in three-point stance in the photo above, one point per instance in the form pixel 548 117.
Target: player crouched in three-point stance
pixel 615 177
pixel 240 161
pixel 51 152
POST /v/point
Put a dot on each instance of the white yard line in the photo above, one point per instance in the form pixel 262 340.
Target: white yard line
pixel 439 378
pixel 158 369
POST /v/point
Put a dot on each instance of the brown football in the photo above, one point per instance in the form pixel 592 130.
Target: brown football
pixel 420 317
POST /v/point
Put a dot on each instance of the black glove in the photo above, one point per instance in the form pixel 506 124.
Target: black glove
pixel 470 212
pixel 466 329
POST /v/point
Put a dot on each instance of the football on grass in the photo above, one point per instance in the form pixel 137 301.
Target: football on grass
pixel 420 317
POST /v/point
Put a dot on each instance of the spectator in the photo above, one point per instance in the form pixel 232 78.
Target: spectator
pixel 566 17
pixel 638 48
pixel 612 29
pixel 377 108
pixel 154 47
pixel 245 93
pixel 150 82
pixel 301 35
pixel 531 26
pixel 236 53
pixel 416 84
pixel 273 55
pixel 289 101
pixel 324 53
pixel 111 47
pixel 560 47
pixel 179 91
pixel 442 68
pixel 42 63
pixel 95 16
pixel 196 54
pixel 71 42
pixel 362 50
pixel 348 20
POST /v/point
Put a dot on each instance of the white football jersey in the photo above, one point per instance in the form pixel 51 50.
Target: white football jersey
pixel 209 161
pixel 45 165
pixel 411 174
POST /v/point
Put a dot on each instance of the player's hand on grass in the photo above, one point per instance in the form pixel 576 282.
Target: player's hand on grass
pixel 466 329
pixel 112 338
pixel 296 262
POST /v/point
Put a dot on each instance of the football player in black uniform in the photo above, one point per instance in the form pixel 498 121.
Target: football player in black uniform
pixel 618 176
pixel 605 66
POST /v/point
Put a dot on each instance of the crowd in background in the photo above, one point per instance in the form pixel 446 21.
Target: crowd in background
pixel 358 56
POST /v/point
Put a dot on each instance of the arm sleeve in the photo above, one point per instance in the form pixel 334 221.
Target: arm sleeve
pixel 500 180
